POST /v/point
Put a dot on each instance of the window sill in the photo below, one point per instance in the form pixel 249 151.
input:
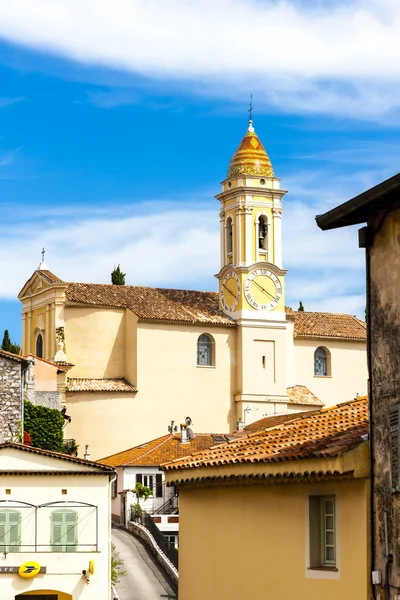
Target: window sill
pixel 205 366
pixel 328 569
pixel 322 376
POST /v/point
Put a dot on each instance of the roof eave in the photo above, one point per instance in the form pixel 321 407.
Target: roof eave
pixel 359 209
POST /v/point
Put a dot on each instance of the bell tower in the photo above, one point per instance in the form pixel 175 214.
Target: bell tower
pixel 251 278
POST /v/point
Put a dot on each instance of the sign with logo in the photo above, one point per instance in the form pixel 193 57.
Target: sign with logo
pixel 27 570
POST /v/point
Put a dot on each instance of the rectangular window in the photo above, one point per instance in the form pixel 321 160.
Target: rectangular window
pixel 159 485
pixel 64 530
pixel 10 531
pixel 114 488
pixel 322 535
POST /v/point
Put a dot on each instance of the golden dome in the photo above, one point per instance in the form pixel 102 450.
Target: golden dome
pixel 250 158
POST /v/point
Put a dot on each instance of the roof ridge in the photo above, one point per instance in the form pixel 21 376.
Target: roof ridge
pixel 134 447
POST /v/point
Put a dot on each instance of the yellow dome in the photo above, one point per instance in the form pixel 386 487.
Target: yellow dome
pixel 250 158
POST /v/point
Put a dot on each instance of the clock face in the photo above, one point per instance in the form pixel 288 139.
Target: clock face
pixel 262 289
pixel 230 291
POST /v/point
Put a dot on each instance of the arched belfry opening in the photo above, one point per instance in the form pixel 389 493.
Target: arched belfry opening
pixel 229 239
pixel 262 233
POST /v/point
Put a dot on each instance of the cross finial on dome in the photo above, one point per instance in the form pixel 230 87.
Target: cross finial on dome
pixel 250 111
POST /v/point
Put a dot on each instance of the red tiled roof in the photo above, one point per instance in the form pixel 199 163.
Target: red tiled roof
pixel 158 451
pixel 274 420
pixel 300 394
pixel 120 384
pixel 12 356
pixel 327 325
pixel 50 276
pixel 328 432
pixel 188 306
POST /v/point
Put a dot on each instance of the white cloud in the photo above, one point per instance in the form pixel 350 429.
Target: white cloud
pixel 161 245
pixel 340 58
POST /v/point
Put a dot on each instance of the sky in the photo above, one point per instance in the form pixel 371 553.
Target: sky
pixel 118 121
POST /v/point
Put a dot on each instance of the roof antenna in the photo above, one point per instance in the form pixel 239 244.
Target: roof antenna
pixel 42 266
pixel 250 111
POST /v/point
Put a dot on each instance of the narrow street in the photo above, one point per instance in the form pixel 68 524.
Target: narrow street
pixel 144 579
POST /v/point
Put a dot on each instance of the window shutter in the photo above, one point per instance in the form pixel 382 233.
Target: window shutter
pixel 14 526
pixel 158 485
pixel 56 531
pixel 3 524
pixel 71 520
pixel 139 478
pixel 394 440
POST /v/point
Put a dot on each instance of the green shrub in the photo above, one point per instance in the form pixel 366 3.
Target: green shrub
pixel 45 426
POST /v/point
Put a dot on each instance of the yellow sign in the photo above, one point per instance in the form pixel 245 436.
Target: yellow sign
pixel 29 569
pixel 91 567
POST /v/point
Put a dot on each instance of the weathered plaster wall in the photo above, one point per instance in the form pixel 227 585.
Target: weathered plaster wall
pixel 385 356
pixel 10 399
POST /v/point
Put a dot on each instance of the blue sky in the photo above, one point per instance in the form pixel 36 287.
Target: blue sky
pixel 116 127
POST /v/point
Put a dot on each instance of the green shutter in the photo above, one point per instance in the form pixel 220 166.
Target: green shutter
pixel 10 531
pixel 64 530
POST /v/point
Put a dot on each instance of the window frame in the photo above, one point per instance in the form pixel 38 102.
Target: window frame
pixel 41 354
pixel 325 561
pixel 318 533
pixel 327 358
pixel 210 351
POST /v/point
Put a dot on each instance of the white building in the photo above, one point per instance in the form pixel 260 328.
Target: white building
pixel 54 526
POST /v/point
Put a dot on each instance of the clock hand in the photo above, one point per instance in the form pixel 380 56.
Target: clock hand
pixel 264 290
pixel 228 290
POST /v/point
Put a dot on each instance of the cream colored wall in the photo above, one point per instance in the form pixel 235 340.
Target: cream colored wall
pixel 64 570
pixel 108 422
pixel 170 387
pixel 251 542
pixel 130 357
pixel 94 341
pixel 348 370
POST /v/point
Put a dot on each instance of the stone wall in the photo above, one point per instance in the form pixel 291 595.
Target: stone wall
pixel 10 399
pixel 47 399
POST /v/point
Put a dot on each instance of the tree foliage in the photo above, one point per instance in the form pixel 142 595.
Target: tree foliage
pixel 45 426
pixel 117 276
pixel 8 345
pixel 116 565
pixel 301 307
pixel 141 491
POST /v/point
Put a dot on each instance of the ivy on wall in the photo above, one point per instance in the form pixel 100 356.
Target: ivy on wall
pixel 45 426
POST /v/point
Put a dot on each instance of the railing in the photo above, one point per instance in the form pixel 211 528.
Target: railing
pixel 146 521
pixel 170 507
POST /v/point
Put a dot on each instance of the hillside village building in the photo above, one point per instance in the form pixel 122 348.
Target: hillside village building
pixel 138 357
pixel 279 513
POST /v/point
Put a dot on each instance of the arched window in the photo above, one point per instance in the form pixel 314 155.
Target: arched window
pixel 229 236
pixel 64 530
pixel 205 350
pixel 262 233
pixel 39 346
pixel 321 362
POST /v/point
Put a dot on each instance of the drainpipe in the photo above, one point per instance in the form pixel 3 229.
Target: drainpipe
pixel 370 405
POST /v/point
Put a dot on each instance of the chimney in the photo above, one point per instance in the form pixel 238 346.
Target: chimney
pixel 86 456
pixel 240 425
pixel 184 434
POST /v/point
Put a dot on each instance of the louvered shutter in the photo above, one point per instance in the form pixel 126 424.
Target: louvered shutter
pixel 394 439
pixel 14 528
pixel 139 478
pixel 3 528
pixel 158 485
pixel 71 520
pixel 56 531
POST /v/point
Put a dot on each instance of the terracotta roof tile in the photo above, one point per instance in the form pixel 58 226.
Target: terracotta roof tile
pixel 120 384
pixel 12 356
pixel 158 451
pixel 300 394
pixel 187 306
pixel 327 325
pixel 328 432
pixel 50 276
pixel 274 420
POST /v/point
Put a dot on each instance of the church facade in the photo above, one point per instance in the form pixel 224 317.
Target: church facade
pixel 138 357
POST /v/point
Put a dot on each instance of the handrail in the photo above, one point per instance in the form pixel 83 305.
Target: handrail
pixel 171 503
pixel 147 522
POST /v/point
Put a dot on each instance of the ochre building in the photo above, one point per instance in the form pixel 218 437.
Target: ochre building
pixel 139 357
